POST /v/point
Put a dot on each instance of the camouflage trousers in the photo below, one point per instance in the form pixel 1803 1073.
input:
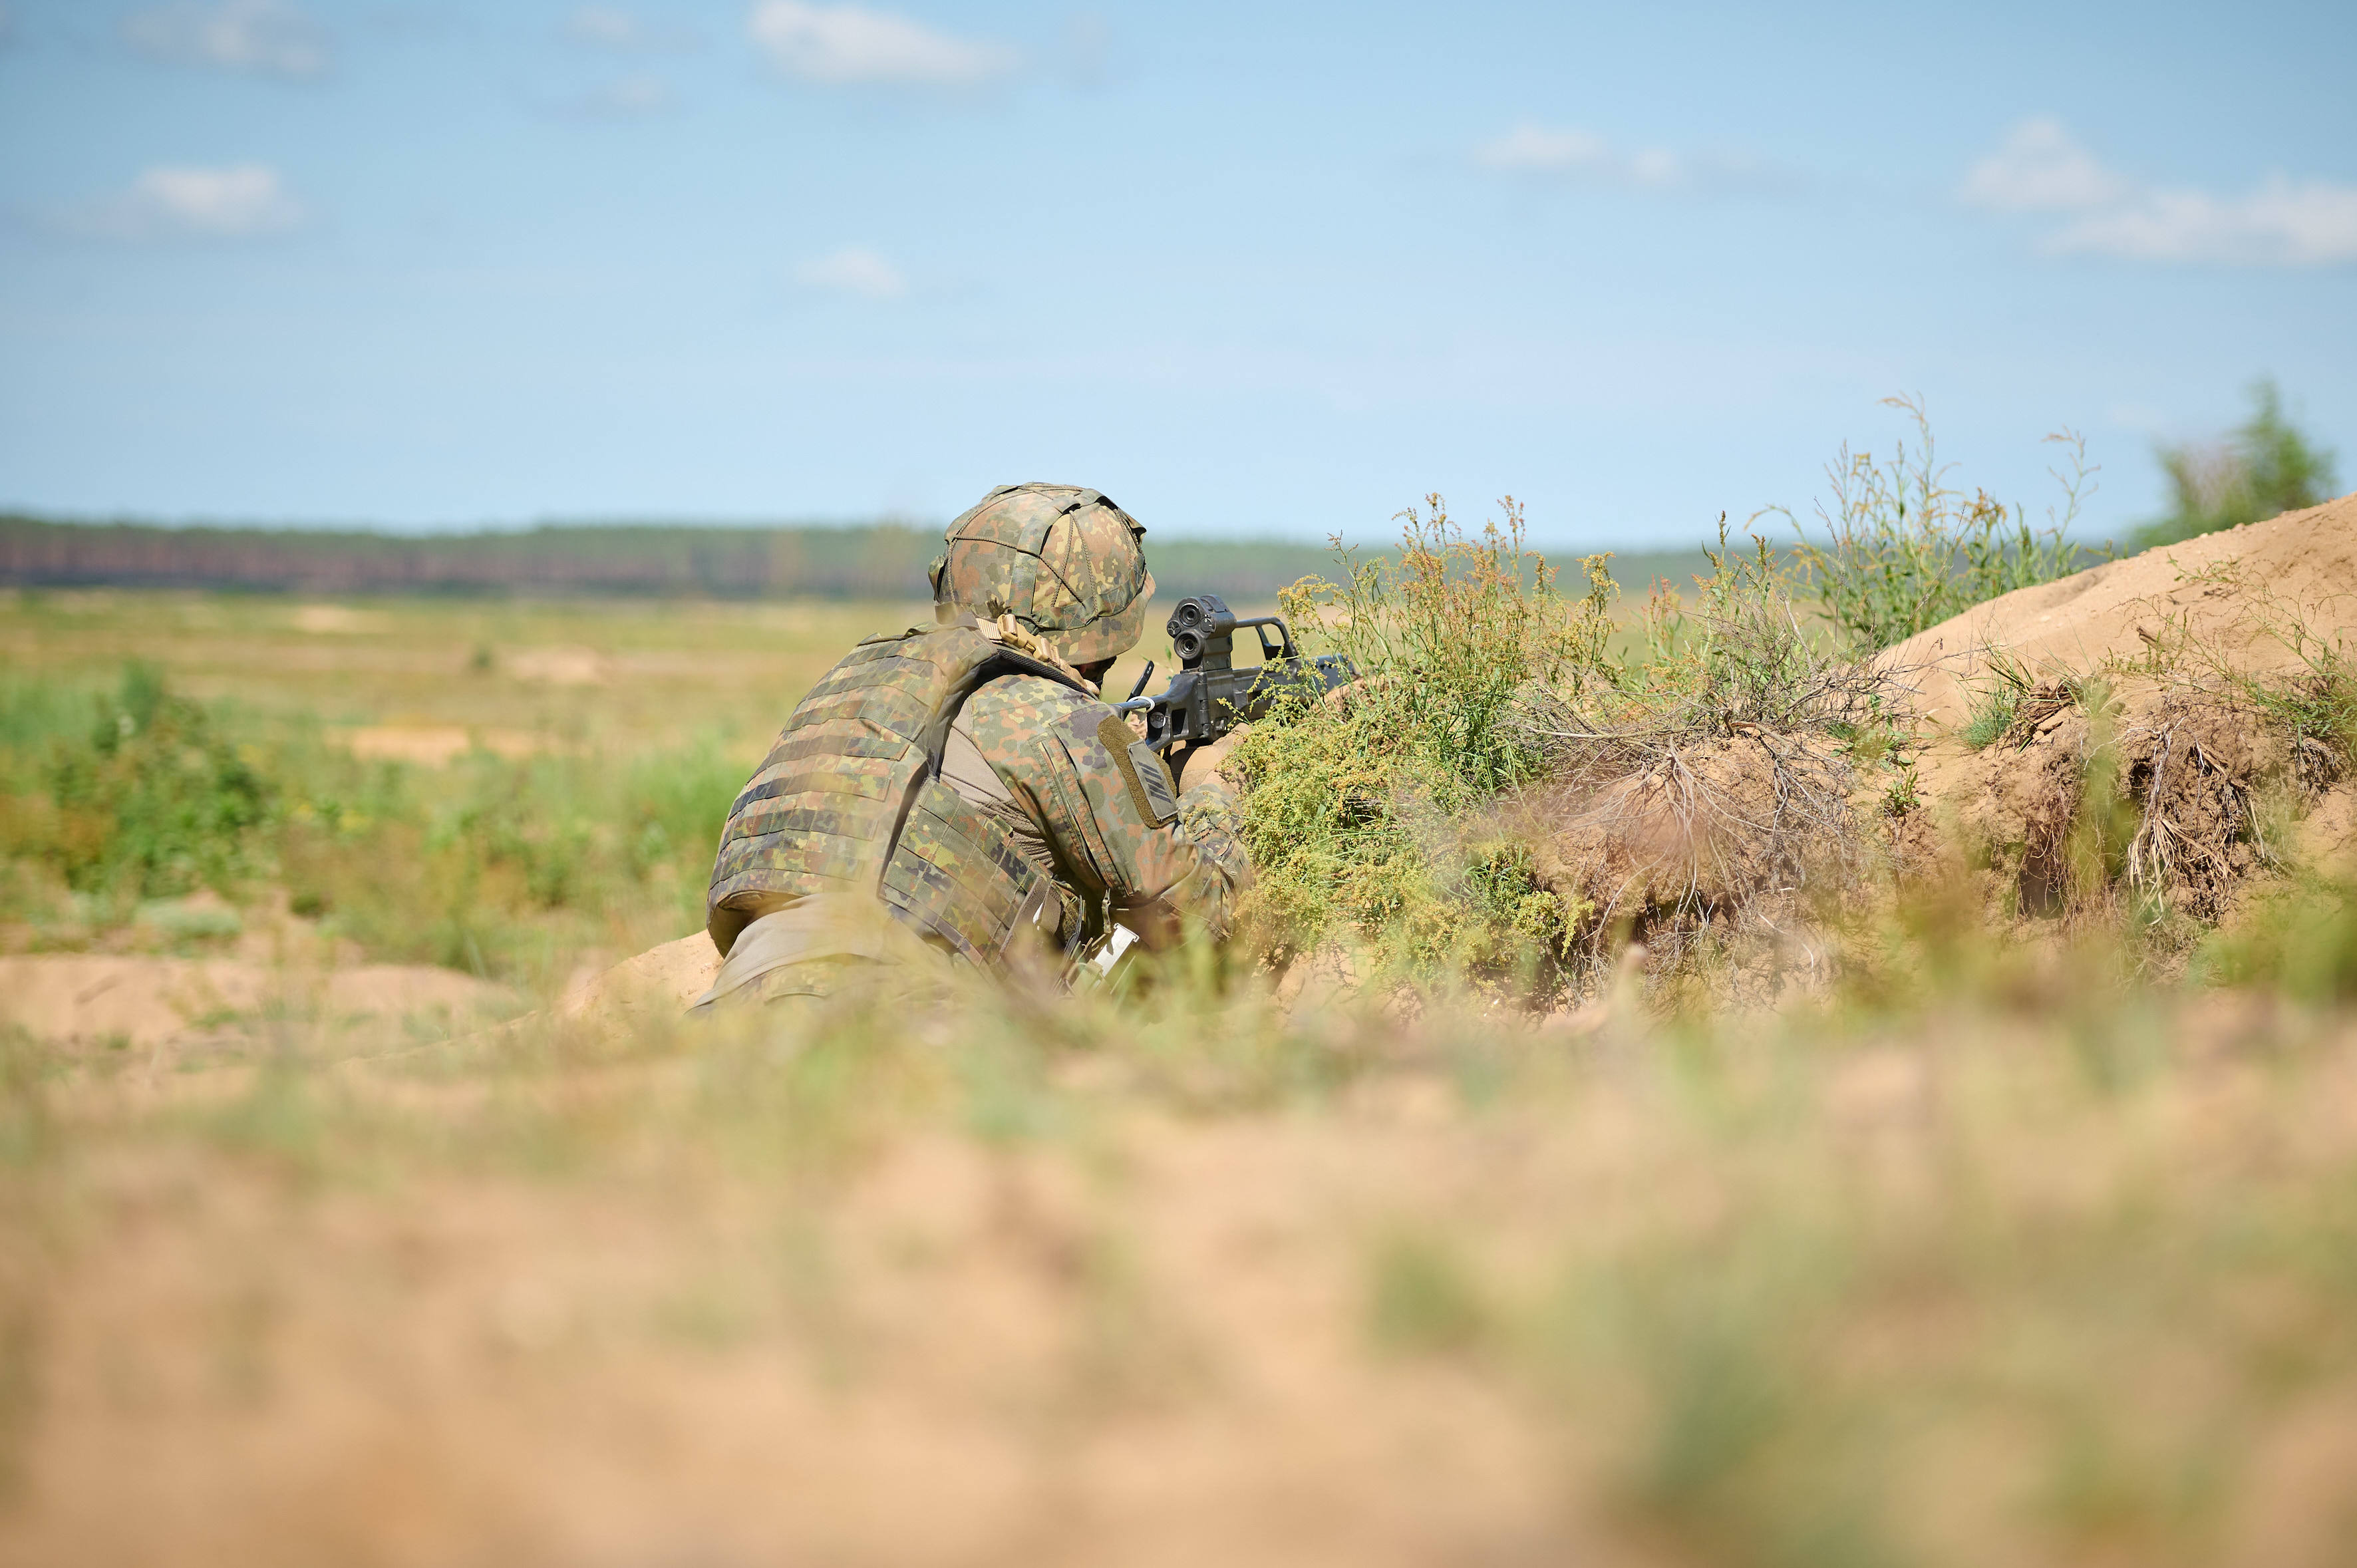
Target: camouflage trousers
pixel 825 945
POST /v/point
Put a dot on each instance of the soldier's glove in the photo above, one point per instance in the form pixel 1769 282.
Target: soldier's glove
pixel 1202 762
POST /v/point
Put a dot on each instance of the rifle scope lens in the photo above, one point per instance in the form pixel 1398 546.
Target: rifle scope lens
pixel 1188 644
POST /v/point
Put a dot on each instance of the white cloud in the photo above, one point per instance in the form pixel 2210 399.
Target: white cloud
pixel 853 269
pixel 1569 154
pixel 1658 167
pixel 2043 168
pixel 627 97
pixel 608 25
pixel 613 27
pixel 270 38
pixel 1088 48
pixel 2282 225
pixel 233 201
pixel 849 43
pixel 1534 149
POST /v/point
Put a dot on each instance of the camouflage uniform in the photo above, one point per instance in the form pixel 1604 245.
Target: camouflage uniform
pixel 957 794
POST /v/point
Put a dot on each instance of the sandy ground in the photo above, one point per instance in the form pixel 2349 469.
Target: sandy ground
pixel 568 1319
pixel 143 1001
pixel 2234 595
pixel 274 970
pixel 988 1365
pixel 658 982
pixel 433 745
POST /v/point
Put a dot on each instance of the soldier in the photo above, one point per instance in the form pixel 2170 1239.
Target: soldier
pixel 959 794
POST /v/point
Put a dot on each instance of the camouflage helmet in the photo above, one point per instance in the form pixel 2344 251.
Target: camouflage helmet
pixel 1062 560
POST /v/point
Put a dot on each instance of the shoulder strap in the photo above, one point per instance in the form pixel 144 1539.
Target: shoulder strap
pixel 934 738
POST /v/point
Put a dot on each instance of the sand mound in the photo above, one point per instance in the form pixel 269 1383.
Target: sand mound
pixel 2179 760
pixel 658 982
pixel 2232 593
pixel 338 620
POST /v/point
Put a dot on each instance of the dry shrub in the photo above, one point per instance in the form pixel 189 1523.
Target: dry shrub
pixel 1713 826
pixel 2088 796
pixel 2196 763
pixel 1718 769
pixel 2138 786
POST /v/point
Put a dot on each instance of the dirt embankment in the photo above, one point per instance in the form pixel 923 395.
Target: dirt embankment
pixel 2148 733
pixel 2237 596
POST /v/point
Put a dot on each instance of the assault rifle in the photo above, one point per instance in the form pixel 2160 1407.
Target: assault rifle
pixel 1210 697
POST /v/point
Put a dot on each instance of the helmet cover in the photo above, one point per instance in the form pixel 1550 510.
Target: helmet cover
pixel 1062 560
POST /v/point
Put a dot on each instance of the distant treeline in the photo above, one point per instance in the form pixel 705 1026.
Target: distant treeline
pixel 882 561
pixel 879 561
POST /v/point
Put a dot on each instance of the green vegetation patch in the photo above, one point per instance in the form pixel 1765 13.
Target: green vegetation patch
pixel 138 791
pixel 129 799
pixel 1903 551
pixel 2266 467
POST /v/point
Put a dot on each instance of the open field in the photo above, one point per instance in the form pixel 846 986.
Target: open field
pixel 336 1226
pixel 621 675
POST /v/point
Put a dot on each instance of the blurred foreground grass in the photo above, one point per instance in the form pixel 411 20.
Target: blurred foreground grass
pixel 1983 1252
pixel 2052 1273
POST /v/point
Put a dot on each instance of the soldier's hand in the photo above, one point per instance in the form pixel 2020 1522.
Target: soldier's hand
pixel 1202 762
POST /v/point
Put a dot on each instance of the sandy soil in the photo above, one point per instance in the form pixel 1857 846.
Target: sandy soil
pixel 433 745
pixel 2234 594
pixel 142 1001
pixel 336 620
pixel 986 1366
pixel 1145 1340
pixel 564 665
pixel 660 980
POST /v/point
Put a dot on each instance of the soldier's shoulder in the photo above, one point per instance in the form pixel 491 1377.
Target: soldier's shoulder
pixel 1035 698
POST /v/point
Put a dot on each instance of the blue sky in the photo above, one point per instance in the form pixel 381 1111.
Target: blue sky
pixel 1247 269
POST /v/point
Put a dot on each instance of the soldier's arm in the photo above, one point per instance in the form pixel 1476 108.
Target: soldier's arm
pixel 1107 804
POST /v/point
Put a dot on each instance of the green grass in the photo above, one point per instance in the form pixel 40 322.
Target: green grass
pixel 201 761
pixel 492 865
pixel 1901 550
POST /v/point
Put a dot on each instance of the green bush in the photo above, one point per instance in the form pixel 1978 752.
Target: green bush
pixel 148 798
pixel 1351 807
pixel 2299 937
pixel 2265 468
pixel 492 865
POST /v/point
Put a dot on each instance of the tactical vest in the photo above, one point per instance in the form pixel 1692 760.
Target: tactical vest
pixel 850 799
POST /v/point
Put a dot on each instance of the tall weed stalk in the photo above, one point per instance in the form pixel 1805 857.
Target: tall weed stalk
pixel 1903 551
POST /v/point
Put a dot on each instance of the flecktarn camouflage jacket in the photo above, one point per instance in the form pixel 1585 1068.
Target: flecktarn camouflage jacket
pixel 985 797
